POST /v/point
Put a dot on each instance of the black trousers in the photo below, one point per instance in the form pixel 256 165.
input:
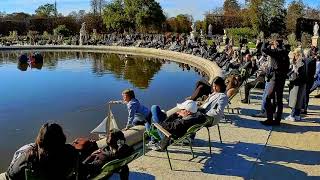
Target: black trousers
pixel 259 82
pixel 274 102
pixel 202 88
pixel 308 92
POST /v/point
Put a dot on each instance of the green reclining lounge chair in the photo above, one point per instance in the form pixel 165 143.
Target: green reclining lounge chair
pixel 192 130
pixel 109 168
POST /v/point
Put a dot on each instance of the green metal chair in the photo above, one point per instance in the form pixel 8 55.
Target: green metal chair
pixel 109 168
pixel 193 129
pixel 186 137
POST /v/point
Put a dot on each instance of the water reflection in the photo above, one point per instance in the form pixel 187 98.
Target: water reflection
pixel 24 66
pixel 137 70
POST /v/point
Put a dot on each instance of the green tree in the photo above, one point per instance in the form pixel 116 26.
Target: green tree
pixel 295 11
pixel 267 15
pixel 62 30
pixel 144 14
pixel 140 15
pixel 114 16
pixel 276 13
pixel 231 12
pixel 46 10
pixel 255 14
pixel 231 7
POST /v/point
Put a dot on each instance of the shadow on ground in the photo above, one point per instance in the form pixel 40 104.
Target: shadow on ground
pixel 135 176
pixel 238 159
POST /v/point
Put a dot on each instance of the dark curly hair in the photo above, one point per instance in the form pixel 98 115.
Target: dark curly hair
pixel 218 81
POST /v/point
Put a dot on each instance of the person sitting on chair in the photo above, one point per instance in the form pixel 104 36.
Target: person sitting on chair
pixel 216 102
pixel 259 82
pixel 116 149
pixel 178 123
pixel 49 158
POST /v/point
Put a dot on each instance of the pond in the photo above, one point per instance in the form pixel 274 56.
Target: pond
pixel 72 88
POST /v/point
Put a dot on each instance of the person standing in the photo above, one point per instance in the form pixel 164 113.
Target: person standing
pixel 297 86
pixel 276 77
pixel 310 63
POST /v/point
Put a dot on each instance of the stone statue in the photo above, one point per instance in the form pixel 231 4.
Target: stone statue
pixel 193 27
pixel 83 34
pixel 210 30
pixel 316 29
pixel 193 33
pixel 225 37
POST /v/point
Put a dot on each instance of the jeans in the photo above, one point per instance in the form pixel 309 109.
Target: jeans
pixel 157 117
pixel 264 97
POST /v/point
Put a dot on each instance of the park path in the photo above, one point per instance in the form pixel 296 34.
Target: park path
pixel 249 150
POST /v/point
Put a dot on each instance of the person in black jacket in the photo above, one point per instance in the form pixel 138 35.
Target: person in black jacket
pixel 276 77
pixel 116 149
pixel 311 63
pixel 49 158
pixel 178 123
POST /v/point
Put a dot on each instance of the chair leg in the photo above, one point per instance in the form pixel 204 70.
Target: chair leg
pixel 169 158
pixel 209 139
pixel 219 133
pixel 190 144
pixel 144 143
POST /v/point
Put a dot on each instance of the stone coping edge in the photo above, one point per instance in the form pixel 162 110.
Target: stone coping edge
pixel 209 67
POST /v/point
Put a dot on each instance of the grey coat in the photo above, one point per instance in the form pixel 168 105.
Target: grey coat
pixel 296 96
pixel 298 92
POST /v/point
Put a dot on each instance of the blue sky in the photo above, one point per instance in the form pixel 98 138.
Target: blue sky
pixel 171 7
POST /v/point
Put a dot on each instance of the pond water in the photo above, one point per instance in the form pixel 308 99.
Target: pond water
pixel 72 88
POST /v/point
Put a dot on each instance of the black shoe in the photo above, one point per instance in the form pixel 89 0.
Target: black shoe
pixel 270 123
pixel 276 123
pixel 245 101
pixel 261 115
pixel 304 112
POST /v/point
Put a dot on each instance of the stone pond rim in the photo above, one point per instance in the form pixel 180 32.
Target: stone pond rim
pixel 210 68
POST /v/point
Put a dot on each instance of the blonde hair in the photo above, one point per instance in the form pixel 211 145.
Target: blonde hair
pixel 129 92
pixel 298 54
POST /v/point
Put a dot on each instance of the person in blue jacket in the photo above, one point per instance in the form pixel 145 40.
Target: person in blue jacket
pixel 138 114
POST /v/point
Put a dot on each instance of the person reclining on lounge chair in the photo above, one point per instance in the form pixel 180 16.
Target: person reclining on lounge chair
pixel 203 88
pixel 177 124
pixel 116 149
pixel 216 102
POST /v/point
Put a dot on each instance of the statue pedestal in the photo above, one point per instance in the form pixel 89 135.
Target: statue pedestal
pixel 315 41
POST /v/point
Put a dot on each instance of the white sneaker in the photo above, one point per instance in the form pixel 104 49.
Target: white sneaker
pixel 290 118
pixel 156 147
pixel 151 143
pixel 297 118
